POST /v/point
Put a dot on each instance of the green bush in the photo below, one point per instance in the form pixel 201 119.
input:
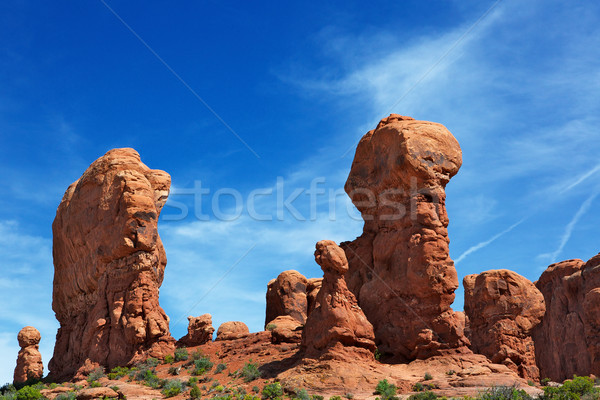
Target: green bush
pixel 195 392
pixel 117 373
pixel 423 396
pixel 250 372
pixel 29 393
pixel 202 365
pixel 272 391
pixel 181 354
pixel 220 368
pixel 95 384
pixel 270 327
pixel 335 398
pixel 504 393
pixel 172 388
pixel 149 378
pixel 66 396
pixel 174 370
pixel 169 359
pixel 574 389
pixel 427 376
pixel 418 387
pixel 152 362
pixel 386 390
pixel 96 374
pixel 302 394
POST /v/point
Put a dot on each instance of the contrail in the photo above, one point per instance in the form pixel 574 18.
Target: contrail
pixel 581 179
pixel 487 242
pixel 571 225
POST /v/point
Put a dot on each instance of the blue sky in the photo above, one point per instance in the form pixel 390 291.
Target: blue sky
pixel 518 84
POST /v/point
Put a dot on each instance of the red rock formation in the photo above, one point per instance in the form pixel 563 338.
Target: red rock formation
pixel 285 329
pixel 232 330
pixel 400 268
pixel 503 308
pixel 312 290
pixel 200 331
pixel 29 360
pixel 286 295
pixel 568 339
pixel 337 328
pixel 108 266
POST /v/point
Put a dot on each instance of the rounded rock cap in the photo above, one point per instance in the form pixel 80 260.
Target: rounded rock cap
pixel 29 336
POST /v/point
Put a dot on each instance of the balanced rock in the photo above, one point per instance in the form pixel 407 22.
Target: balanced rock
pixel 568 339
pixel 232 330
pixel 337 328
pixel 109 264
pixel 286 295
pixel 400 268
pixel 200 331
pixel 503 308
pixel 29 360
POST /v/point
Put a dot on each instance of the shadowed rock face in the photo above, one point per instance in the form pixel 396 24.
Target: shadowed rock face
pixel 108 266
pixel 568 339
pixel 337 328
pixel 400 268
pixel 503 308
pixel 29 360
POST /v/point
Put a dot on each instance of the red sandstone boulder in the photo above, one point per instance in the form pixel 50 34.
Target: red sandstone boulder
pixel 29 360
pixel 232 330
pixel 400 268
pixel 285 329
pixel 286 295
pixel 337 328
pixel 109 263
pixel 503 308
pixel 200 331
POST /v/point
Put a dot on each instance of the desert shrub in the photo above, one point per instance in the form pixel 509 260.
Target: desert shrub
pixel 272 391
pixel 95 384
pixel 270 327
pixel 169 359
pixel 66 396
pixel 377 354
pixel 302 394
pixel 115 388
pixel 574 389
pixel 349 396
pixel 335 398
pixel 451 372
pixel 423 396
pixel 418 387
pixel 197 355
pixel 220 368
pixel 545 381
pixel 250 372
pixel 202 365
pixel 172 388
pixel 174 370
pixel 96 374
pixel 427 376
pixel 193 380
pixel 118 372
pixel 255 389
pixel 181 354
pixel 149 378
pixel 28 393
pixel 316 397
pixel 152 362
pixel 386 390
pixel 504 393
pixel 195 392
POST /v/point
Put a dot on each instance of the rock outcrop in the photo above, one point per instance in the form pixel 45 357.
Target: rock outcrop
pixel 286 295
pixel 29 360
pixel 400 268
pixel 568 339
pixel 285 329
pixel 200 331
pixel 312 290
pixel 337 328
pixel 503 308
pixel 109 263
pixel 232 330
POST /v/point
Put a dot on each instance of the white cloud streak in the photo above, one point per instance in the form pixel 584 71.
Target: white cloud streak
pixel 481 245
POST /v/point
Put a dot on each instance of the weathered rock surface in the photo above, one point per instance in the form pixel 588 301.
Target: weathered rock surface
pixel 337 328
pixel 568 339
pixel 285 329
pixel 200 331
pixel 400 268
pixel 29 360
pixel 232 330
pixel 312 290
pixel 503 307
pixel 109 263
pixel 97 393
pixel 286 295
